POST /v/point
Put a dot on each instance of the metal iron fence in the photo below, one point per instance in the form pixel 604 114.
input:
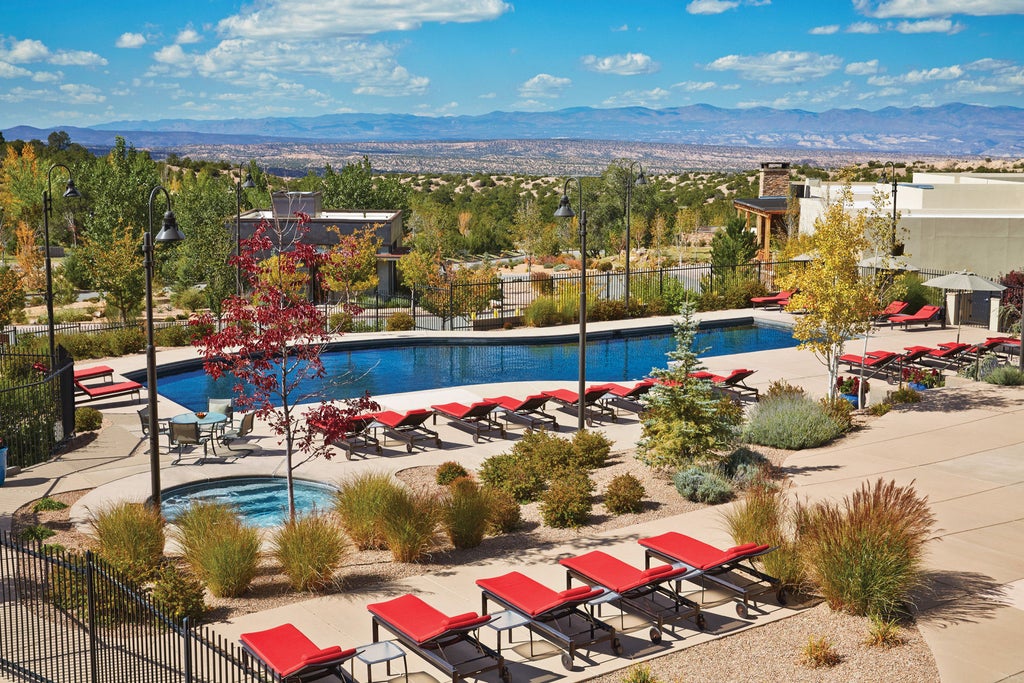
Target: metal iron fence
pixel 71 618
pixel 37 405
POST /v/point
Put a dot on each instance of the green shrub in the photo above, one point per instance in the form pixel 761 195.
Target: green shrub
pixel 88 419
pixel 745 467
pixel 447 472
pixel 220 550
pixel 409 523
pixel 36 532
pixel 640 673
pixel 591 449
pixel 130 536
pixel 567 502
pixel 866 554
pixel 840 410
pixel 189 299
pixel 360 502
pixel 1006 375
pixel 179 594
pixel 195 524
pixel 503 513
pixel 903 395
pixel 702 485
pixel 310 550
pixel 542 283
pixel 623 494
pixel 464 513
pixel 879 409
pixel 513 473
pixel 790 422
pixel 607 309
pixel 544 311
pixel 47 504
pixel 71 315
pixel 173 335
pixel 781 387
pixel 340 322
pixel 400 322
pixel 980 368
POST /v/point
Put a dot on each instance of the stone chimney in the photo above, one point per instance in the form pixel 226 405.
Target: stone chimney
pixel 774 179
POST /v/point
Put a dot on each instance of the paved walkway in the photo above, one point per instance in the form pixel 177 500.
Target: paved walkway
pixel 963 448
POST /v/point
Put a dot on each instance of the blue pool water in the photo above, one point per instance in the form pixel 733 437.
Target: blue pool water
pixel 390 369
pixel 261 501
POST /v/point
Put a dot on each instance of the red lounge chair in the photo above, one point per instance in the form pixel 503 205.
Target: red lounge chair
pixel 110 389
pixel 529 411
pixel 949 354
pixel 627 398
pixel 292 656
pixel 446 642
pixel 894 308
pixel 557 617
pixel 914 354
pixel 731 382
pixel 407 428
pixel 474 418
pixel 926 315
pixel 779 299
pixel 95 372
pixel 719 568
pixel 873 364
pixel 592 406
pixel 359 434
pixel 646 592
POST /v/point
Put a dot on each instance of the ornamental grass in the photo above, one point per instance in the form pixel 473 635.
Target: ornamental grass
pixel 360 503
pixel 130 536
pixel 310 550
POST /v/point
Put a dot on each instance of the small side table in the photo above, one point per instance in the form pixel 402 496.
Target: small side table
pixel 506 621
pixel 375 653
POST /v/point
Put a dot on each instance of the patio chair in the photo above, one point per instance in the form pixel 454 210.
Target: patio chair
pixel 189 434
pixel 94 372
pixel 592 406
pixel 358 434
pixel 894 308
pixel 231 437
pixel 224 407
pixel 873 364
pixel 719 569
pixel 644 592
pixel 162 425
pixel 779 299
pixel 110 389
pixel 557 617
pixel 291 656
pixel 913 354
pixel 926 315
pixel 949 354
pixel 627 398
pixel 528 411
pixel 407 427
pixel 475 418
pixel 446 642
pixel 731 382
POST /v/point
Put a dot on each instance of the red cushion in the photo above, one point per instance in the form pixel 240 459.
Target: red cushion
pixel 690 551
pixel 531 597
pixel 286 649
pixel 616 575
pixel 418 620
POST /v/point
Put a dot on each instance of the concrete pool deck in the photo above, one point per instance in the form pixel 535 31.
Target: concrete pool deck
pixel 963 447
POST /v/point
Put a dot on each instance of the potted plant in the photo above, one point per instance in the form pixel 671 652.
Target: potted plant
pixel 920 379
pixel 850 388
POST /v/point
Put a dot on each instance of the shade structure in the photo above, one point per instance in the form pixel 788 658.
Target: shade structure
pixel 886 262
pixel 810 256
pixel 963 281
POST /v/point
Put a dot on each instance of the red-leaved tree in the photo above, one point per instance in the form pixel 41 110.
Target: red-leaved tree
pixel 271 340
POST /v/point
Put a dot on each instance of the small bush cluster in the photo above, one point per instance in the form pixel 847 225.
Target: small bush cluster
pixel 106 344
pixel 607 309
pixel 47 504
pixel 903 395
pixel 130 536
pixel 179 593
pixel 221 551
pixel 883 632
pixel 189 299
pixel 640 673
pixel 447 472
pixel 340 323
pixel 544 311
pixel 173 335
pixel 310 549
pixel 503 514
pixel 464 511
pixel 624 494
pixel 567 502
pixel 819 652
pixel 409 524
pixel 88 419
pixel 1006 375
pixel 703 485
pixel 790 421
pixel 360 502
pixel 840 410
pixel 400 322
pixel 513 473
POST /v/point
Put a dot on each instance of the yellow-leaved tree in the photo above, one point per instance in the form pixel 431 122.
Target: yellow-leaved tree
pixel 837 301
pixel 351 265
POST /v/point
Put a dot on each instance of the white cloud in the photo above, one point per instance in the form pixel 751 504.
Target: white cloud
pixel 824 30
pixel 787 66
pixel 696 86
pixel 76 93
pixel 637 98
pixel 394 83
pixel 187 36
pixel 77 58
pixel 944 73
pixel 629 64
pixel 488 96
pixel 130 40
pixel 930 26
pixel 545 86
pixel 620 29
pixel 25 51
pixel 921 9
pixel 862 27
pixel 862 68
pixel 11 71
pixel 711 6
pixel 47 76
pixel 314 19
pixel 173 54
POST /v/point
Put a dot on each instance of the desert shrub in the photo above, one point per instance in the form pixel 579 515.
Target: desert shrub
pixel 71 315
pixel 640 673
pixel 196 523
pixel 820 652
pixel 765 516
pixel 447 472
pixel 702 485
pixel 732 292
pixel 216 545
pixel 903 395
pixel 623 494
pixel 409 523
pixel 744 467
pixel 36 532
pixel 590 449
pixel 544 311
pixel 189 299
pixel 883 632
pixel 310 549
pixel 503 513
pixel 1006 375
pixel 607 309
pixel 866 554
pixel 840 410
pixel 179 594
pixel 130 536
pixel 879 409
pixel 88 419
pixel 400 322
pixel 340 322
pixel 464 511
pixel 47 504
pixel 514 473
pixel 173 335
pixel 360 502
pixel 124 341
pixel 781 387
pixel 980 367
pixel 542 283
pixel 567 501
pixel 790 422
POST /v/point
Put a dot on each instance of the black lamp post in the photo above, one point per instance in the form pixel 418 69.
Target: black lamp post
pixel 239 186
pixel 630 182
pixel 564 210
pixel 71 191
pixel 893 249
pixel 169 232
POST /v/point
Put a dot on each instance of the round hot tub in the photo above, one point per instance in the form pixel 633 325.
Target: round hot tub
pixel 261 501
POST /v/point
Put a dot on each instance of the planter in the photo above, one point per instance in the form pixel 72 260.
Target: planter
pixel 852 398
pixel 3 465
pixel 917 387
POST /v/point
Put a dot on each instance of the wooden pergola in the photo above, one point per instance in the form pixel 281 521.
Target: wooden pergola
pixel 763 216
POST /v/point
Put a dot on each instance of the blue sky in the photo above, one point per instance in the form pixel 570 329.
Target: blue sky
pixel 72 64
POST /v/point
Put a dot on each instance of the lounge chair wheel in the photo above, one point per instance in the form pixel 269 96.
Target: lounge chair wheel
pixel 476 438
pixel 505 674
pixel 741 610
pixel 617 647
pixel 567 661
pixel 781 596
pixel 701 622
pixel 408 448
pixel 437 442
pixel 378 449
pixel 655 635
pixel 348 455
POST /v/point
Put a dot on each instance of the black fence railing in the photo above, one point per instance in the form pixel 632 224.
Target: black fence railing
pixel 70 618
pixel 37 405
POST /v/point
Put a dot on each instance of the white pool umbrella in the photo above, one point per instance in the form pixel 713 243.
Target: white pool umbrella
pixel 887 263
pixel 963 281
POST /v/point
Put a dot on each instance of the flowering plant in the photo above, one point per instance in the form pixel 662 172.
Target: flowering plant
pixel 929 377
pixel 850 385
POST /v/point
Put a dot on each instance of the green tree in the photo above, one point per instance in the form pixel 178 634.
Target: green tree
pixel 685 420
pixel 533 232
pixel 117 189
pixel 117 271
pixel 12 296
pixel 350 266
pixel 735 245
pixel 21 187
pixel 446 291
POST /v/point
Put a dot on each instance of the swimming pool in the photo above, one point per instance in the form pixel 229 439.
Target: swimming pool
pixel 418 365
pixel 261 501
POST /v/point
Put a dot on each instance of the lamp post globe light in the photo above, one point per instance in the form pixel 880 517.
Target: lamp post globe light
pixel 70 191
pixel 239 186
pixel 640 181
pixel 894 250
pixel 169 233
pixel 564 210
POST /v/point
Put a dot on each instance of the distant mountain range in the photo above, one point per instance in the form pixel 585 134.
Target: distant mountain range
pixel 948 130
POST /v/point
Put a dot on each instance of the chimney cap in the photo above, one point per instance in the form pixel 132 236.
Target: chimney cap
pixel 774 164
